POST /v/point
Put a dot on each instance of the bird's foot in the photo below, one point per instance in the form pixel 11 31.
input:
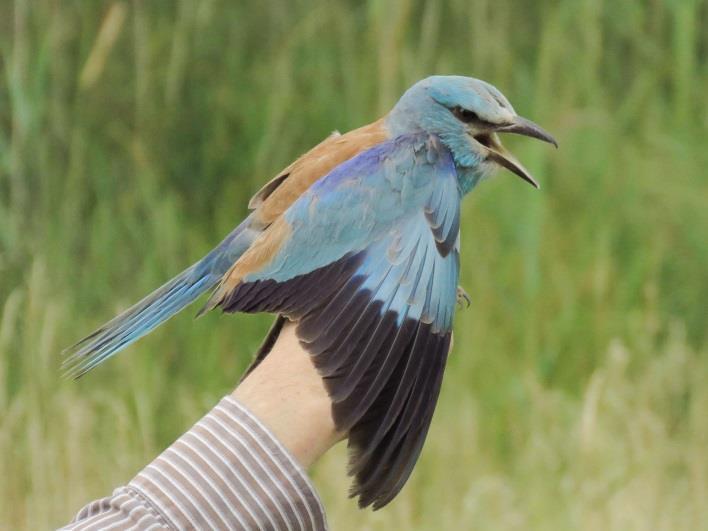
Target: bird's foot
pixel 463 298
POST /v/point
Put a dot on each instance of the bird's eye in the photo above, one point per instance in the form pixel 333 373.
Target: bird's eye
pixel 465 115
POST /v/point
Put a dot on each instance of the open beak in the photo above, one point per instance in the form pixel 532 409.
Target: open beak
pixel 499 154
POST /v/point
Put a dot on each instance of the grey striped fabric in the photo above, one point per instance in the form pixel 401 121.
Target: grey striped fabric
pixel 227 472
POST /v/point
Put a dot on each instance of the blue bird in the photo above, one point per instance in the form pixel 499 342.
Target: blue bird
pixel 358 242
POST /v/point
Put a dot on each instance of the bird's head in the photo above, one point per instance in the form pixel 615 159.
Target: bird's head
pixel 467 114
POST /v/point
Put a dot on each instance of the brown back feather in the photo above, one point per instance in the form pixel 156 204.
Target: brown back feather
pixel 274 198
pixel 281 191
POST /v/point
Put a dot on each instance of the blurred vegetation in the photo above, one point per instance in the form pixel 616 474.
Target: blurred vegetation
pixel 133 133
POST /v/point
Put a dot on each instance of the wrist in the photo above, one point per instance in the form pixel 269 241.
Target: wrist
pixel 288 396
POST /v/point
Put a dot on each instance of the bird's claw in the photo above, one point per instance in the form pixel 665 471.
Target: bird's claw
pixel 463 298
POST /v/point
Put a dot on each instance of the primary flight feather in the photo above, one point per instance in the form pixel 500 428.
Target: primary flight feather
pixel 358 242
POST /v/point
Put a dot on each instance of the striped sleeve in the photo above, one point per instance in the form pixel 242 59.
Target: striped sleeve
pixel 227 472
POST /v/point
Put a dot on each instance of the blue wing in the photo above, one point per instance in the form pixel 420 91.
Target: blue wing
pixel 370 273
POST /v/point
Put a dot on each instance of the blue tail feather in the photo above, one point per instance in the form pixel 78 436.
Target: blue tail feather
pixel 143 317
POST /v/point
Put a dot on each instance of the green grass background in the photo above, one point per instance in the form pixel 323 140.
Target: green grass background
pixel 133 133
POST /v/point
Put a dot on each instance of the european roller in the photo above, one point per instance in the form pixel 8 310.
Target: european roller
pixel 357 241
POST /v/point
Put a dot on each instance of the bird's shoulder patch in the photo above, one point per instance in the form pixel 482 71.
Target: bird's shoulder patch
pixel 279 193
